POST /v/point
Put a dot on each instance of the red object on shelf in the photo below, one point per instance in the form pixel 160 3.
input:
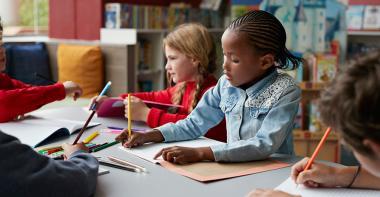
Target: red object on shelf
pixel 62 19
pixel 364 2
pixel 89 19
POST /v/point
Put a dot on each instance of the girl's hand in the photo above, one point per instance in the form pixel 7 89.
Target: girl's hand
pixel 72 89
pixel 139 109
pixel 320 175
pixel 268 193
pixel 138 139
pixel 99 102
pixel 183 155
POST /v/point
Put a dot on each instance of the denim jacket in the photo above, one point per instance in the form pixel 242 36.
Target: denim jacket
pixel 259 119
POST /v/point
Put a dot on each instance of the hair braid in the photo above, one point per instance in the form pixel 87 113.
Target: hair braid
pixel 267 35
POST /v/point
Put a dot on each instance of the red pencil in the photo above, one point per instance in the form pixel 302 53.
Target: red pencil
pixel 311 160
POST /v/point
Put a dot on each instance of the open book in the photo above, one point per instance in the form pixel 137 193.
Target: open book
pixel 114 107
pixel 35 131
pixel 289 186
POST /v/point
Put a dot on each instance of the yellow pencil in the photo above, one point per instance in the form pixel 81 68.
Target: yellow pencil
pixel 129 116
pixel 91 137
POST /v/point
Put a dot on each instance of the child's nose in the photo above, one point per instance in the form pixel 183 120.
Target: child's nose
pixel 167 66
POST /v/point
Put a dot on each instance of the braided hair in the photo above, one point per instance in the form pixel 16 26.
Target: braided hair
pixel 267 35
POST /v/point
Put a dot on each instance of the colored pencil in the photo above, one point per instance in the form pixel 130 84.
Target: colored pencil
pixel 91 137
pixel 316 151
pixel 93 107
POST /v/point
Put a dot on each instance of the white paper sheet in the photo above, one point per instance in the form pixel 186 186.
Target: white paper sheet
pixel 148 151
pixel 290 186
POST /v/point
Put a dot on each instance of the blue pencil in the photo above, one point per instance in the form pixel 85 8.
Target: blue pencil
pixel 106 87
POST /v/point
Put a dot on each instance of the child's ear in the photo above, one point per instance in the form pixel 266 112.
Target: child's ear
pixel 374 146
pixel 195 62
pixel 266 61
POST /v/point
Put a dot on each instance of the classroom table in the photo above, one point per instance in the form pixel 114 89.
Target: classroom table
pixel 159 181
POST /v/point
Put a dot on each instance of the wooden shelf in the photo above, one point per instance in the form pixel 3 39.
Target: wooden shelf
pixel 310 86
pixel 363 32
pixel 308 135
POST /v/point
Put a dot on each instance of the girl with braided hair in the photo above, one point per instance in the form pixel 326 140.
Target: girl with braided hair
pixel 258 102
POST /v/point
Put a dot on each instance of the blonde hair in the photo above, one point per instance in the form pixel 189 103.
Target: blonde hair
pixel 194 41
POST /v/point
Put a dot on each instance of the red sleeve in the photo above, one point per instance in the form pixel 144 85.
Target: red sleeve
pixel 23 100
pixel 8 83
pixel 158 117
pixel 163 96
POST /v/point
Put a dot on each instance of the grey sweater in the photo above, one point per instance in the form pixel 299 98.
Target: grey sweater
pixel 23 172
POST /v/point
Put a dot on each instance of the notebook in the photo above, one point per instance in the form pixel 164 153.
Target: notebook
pixel 114 107
pixel 289 186
pixel 35 131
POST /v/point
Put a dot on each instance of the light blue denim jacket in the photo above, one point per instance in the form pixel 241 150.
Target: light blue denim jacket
pixel 259 119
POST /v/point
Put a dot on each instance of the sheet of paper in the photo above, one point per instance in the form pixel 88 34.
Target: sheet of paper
pixel 148 151
pixel 290 187
pixel 211 171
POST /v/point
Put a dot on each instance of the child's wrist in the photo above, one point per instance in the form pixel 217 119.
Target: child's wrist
pixel 154 136
pixel 205 153
pixel 344 176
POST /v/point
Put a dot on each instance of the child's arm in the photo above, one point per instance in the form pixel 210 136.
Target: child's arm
pixel 20 101
pixel 157 117
pixel 26 173
pixel 206 115
pixel 163 96
pixel 8 83
pixel 275 128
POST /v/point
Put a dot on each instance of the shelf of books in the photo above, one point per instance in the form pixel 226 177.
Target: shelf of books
pixel 317 70
pixel 363 24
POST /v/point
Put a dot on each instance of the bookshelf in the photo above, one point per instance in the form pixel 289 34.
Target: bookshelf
pixel 305 140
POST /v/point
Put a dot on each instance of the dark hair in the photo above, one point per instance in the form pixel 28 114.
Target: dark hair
pixel 351 104
pixel 267 35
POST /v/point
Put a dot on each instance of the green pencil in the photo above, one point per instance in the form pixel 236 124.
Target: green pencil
pixel 104 146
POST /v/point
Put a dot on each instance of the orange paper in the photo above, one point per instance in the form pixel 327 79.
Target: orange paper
pixel 211 171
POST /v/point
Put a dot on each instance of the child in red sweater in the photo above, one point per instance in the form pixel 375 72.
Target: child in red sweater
pixel 18 98
pixel 191 58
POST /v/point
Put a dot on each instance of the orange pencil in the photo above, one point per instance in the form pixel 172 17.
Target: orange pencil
pixel 311 160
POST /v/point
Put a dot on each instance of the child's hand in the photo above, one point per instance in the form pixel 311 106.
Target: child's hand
pixel 73 89
pixel 70 149
pixel 99 102
pixel 320 175
pixel 138 139
pixel 268 193
pixel 139 109
pixel 183 155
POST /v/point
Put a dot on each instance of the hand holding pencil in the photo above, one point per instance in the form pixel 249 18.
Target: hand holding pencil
pixel 322 175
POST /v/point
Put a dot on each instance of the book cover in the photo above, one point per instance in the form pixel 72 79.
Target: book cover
pixel 354 17
pixel 35 131
pixel 326 67
pixel 112 15
pixel 371 18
